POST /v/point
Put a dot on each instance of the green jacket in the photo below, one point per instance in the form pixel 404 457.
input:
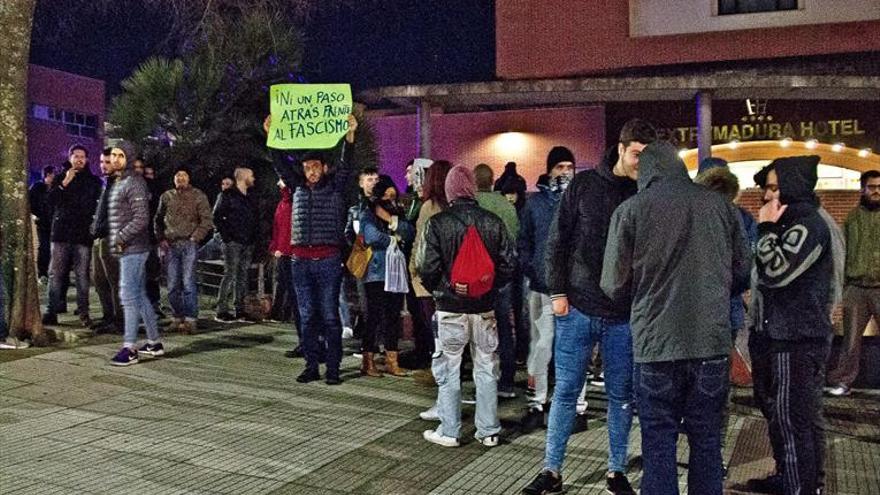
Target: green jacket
pixel 499 205
pixel 862 229
pixel 183 214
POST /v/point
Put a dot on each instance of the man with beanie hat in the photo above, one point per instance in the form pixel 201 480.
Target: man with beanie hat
pixel 128 213
pixel 679 251
pixel 182 221
pixel 463 318
pixel 74 199
pixel 531 246
pixel 791 322
pixel 583 314
pixel 498 204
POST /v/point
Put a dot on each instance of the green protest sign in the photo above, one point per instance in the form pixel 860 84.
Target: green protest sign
pixel 308 116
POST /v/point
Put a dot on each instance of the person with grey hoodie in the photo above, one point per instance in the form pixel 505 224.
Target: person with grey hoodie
pixel 129 219
pixel 679 250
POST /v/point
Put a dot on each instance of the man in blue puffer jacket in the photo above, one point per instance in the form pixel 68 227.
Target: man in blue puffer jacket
pixel 317 239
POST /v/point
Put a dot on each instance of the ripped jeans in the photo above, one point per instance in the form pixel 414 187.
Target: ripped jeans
pixel 454 332
pixel 576 333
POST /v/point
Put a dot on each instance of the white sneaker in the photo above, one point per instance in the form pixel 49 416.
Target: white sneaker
pixel 443 441
pixel 430 414
pixel 490 441
pixel 347 332
pixel 13 343
pixel 839 390
pixel 582 407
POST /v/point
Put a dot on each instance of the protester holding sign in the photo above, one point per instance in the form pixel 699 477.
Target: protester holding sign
pixel 317 240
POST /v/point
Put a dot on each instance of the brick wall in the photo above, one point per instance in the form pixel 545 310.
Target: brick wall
pixel 838 203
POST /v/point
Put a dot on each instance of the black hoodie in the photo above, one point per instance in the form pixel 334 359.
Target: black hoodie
pixel 577 236
pixel 793 263
pixel 679 249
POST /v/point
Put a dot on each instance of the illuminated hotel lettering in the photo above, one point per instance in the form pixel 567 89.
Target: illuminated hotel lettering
pixel 774 130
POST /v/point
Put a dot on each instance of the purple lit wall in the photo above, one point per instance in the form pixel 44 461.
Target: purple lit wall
pixel 52 94
pixel 494 138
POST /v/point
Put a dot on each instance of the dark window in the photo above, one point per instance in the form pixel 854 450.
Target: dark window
pixel 70 117
pixel 72 129
pixel 92 120
pixel 89 132
pixel 727 7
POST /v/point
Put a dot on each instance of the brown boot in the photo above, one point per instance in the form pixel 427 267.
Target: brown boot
pixel 368 366
pixel 391 366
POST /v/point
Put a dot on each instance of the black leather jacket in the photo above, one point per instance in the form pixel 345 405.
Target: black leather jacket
pixel 443 236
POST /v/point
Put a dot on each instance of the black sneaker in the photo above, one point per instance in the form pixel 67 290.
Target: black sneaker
pixel 125 357
pixel 225 317
pixel 332 378
pixel 770 484
pixel 296 352
pixel 154 350
pixel 534 419
pixel 50 319
pixel 309 375
pixel 617 484
pixel 545 482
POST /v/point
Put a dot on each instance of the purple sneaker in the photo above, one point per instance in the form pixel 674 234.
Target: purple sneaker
pixel 154 350
pixel 125 357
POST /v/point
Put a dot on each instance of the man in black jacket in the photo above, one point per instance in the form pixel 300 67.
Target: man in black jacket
pixel 583 314
pixel 461 318
pixel 41 209
pixel 74 199
pixel 317 243
pixel 792 324
pixel 679 250
pixel 236 218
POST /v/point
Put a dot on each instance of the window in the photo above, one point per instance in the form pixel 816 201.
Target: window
pixel 729 7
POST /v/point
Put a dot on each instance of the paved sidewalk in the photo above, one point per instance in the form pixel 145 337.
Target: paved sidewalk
pixel 221 413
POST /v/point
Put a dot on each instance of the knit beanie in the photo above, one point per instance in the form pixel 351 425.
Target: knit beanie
pixel 460 183
pixel 130 150
pixel 559 154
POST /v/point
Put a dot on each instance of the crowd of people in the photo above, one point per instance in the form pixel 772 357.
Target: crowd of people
pixel 630 265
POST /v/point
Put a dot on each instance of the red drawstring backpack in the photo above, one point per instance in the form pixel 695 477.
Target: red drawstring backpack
pixel 473 271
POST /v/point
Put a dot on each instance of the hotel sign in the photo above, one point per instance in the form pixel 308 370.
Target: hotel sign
pixel 857 124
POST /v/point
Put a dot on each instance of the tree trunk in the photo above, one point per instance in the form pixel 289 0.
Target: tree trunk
pixel 17 258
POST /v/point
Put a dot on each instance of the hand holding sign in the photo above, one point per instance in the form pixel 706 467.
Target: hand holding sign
pixel 309 116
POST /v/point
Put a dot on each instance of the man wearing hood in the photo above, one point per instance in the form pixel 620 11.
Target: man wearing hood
pixel 128 217
pixel 761 354
pixel 679 250
pixel 317 240
pixel 461 317
pixel 537 216
pixel 583 314
pixel 74 199
pixel 792 321
pixel 861 295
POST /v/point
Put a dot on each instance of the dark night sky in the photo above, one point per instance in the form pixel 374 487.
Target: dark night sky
pixel 400 42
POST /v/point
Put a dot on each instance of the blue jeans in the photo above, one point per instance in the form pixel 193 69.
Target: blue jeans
pixel 317 284
pixel 136 305
pixel 693 391
pixel 65 256
pixel 506 343
pixel 182 291
pixel 576 334
pixel 454 332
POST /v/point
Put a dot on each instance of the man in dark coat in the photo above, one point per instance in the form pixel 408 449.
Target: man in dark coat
pixel 41 209
pixel 74 199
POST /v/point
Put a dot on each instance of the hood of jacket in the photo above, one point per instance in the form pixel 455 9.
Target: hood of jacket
pixel 660 161
pixel 797 176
